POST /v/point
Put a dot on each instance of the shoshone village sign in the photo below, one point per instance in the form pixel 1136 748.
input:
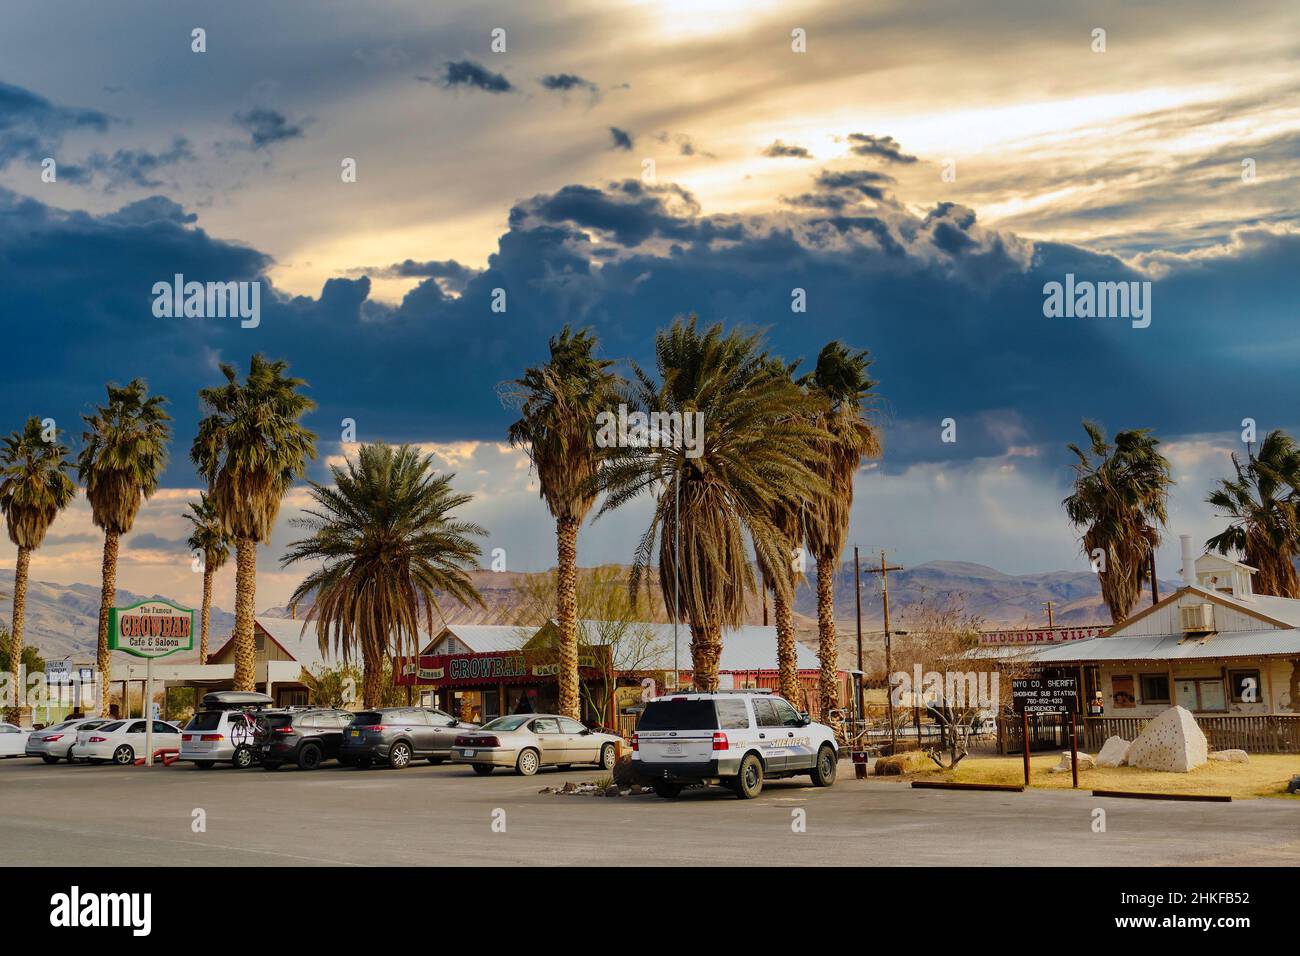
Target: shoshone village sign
pixel 150 629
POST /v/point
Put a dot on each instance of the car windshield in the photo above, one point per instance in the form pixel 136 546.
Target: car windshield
pixel 205 720
pixel 512 722
pixel 678 713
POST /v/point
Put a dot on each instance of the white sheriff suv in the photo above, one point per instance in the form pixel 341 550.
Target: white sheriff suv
pixel 736 738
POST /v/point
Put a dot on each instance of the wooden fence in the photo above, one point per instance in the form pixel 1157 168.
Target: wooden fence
pixel 1276 734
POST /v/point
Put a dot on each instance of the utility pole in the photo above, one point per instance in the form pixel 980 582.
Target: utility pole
pixel 883 571
pixel 1048 605
pixel 1155 592
pixel 857 596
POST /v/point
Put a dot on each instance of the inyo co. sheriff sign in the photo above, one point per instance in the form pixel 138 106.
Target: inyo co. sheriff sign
pixel 151 629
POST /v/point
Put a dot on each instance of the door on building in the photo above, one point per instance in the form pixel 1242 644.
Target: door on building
pixel 1202 694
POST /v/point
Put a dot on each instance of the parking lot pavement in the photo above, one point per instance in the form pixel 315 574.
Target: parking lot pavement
pixel 123 816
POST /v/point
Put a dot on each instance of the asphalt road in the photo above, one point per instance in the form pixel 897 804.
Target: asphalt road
pixel 109 816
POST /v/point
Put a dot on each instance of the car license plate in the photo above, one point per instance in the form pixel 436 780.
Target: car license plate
pixel 674 748
pixel 467 753
pixel 266 748
pixel 356 733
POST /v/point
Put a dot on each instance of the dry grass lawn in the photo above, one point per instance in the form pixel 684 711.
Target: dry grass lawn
pixel 1267 775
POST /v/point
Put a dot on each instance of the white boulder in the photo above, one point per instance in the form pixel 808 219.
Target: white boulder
pixel 1171 742
pixel 1085 762
pixel 1113 752
pixel 1231 756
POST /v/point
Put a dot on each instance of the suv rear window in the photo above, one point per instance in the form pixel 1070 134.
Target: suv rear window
pixel 279 720
pixel 679 714
pixel 367 718
pixel 205 720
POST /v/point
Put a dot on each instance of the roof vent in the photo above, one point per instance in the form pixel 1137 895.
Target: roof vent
pixel 1196 618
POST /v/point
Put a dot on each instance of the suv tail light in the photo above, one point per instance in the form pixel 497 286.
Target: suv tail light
pixel 283 730
pixel 636 744
pixel 376 728
pixel 720 741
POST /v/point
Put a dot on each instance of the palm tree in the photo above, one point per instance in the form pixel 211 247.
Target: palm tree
pixel 123 454
pixel 210 540
pixel 390 543
pixel 34 488
pixel 788 520
pixel 1119 499
pixel 841 388
pixel 250 448
pixel 755 454
pixel 558 405
pixel 1262 503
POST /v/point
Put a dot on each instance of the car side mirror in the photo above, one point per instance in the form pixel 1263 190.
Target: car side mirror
pixel 805 720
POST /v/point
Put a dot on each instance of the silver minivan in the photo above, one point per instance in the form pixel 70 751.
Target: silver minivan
pixel 224 730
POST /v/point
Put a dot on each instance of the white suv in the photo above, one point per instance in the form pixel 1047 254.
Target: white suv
pixel 735 739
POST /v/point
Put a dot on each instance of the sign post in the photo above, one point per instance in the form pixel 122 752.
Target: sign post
pixel 1048 695
pixel 150 629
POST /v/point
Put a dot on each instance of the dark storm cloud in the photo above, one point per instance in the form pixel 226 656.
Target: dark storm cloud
pixel 134 167
pixel 32 128
pixel 951 311
pixel 467 73
pixel 265 127
pixel 778 150
pixel 620 138
pixel 865 181
pixel 568 82
pixel 453 273
pixel 881 147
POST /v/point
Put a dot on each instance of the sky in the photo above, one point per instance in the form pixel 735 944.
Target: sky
pixel 922 172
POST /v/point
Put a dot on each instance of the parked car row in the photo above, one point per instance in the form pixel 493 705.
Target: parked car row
pixel 736 739
pixel 100 740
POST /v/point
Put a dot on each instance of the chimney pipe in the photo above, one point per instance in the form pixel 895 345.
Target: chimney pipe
pixel 1189 563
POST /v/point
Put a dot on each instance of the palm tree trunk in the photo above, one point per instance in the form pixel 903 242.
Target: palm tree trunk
pixel 16 632
pixel 107 595
pixel 566 536
pixel 245 596
pixel 827 651
pixel 786 662
pixel 372 674
pixel 205 616
pixel 706 654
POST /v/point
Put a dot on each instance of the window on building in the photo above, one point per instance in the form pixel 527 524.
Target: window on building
pixel 1245 686
pixel 1155 688
pixel 1202 693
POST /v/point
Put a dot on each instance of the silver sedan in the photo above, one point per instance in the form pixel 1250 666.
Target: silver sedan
pixel 529 742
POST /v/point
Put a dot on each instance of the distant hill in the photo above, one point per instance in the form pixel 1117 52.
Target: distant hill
pixel 63 619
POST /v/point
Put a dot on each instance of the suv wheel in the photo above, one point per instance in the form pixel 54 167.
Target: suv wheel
pixel 244 757
pixel 123 756
pixel 749 782
pixel 666 789
pixel 400 755
pixel 527 763
pixel 309 757
pixel 823 774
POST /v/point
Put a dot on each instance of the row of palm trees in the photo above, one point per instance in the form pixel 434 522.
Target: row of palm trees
pixel 775 474
pixel 1120 498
